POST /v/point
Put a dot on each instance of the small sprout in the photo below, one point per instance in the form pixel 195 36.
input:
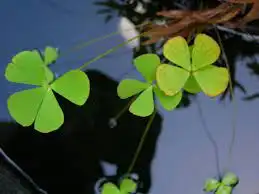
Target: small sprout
pixel 143 106
pixel 229 181
pixel 127 186
pixel 51 55
pixel 39 104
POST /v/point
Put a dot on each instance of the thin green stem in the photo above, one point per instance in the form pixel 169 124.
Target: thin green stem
pixel 85 44
pixel 141 142
pixel 124 109
pixel 109 51
pixel 233 98
pixel 98 39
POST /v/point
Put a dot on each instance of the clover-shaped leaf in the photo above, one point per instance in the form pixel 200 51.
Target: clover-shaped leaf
pixel 27 67
pixel 196 72
pixel 230 179
pixel 130 87
pixel 211 184
pixel 39 105
pixel 147 64
pixel 50 55
pixel 128 186
pixel 171 79
pixel 74 86
pixel 110 188
pixel 224 187
pixel 144 104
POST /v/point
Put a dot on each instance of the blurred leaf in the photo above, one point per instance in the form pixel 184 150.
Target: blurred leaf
pixel 252 97
pixel 50 55
pixel 230 179
pixel 211 185
pixel 223 189
pixel 110 188
pixel 128 186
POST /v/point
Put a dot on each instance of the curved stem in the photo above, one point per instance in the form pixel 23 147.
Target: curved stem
pixel 108 52
pixel 141 142
pixel 233 98
pixel 95 40
pixel 210 137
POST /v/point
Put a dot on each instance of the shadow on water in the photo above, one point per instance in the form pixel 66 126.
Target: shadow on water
pixel 68 160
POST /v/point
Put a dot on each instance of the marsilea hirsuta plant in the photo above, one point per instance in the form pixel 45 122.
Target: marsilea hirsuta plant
pixel 192 70
pixel 39 105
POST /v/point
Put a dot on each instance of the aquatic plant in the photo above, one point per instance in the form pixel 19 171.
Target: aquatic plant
pixel 191 69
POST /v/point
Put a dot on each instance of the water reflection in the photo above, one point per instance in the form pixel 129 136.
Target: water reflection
pixel 68 160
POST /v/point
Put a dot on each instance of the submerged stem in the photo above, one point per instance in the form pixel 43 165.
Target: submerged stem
pixel 232 96
pixel 141 142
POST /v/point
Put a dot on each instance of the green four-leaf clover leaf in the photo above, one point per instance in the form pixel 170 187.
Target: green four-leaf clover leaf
pixel 39 105
pixel 229 181
pixel 143 106
pixel 194 71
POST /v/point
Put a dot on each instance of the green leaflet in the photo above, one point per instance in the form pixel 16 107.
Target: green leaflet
pixel 212 80
pixel 230 179
pixel 27 67
pixel 50 116
pixel 23 106
pixel 205 51
pixel 143 106
pixel 128 186
pixel 130 87
pixel 177 51
pixel 74 86
pixel 192 86
pixel 110 188
pixel 171 79
pixel 211 184
pixel 168 102
pixel 147 64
